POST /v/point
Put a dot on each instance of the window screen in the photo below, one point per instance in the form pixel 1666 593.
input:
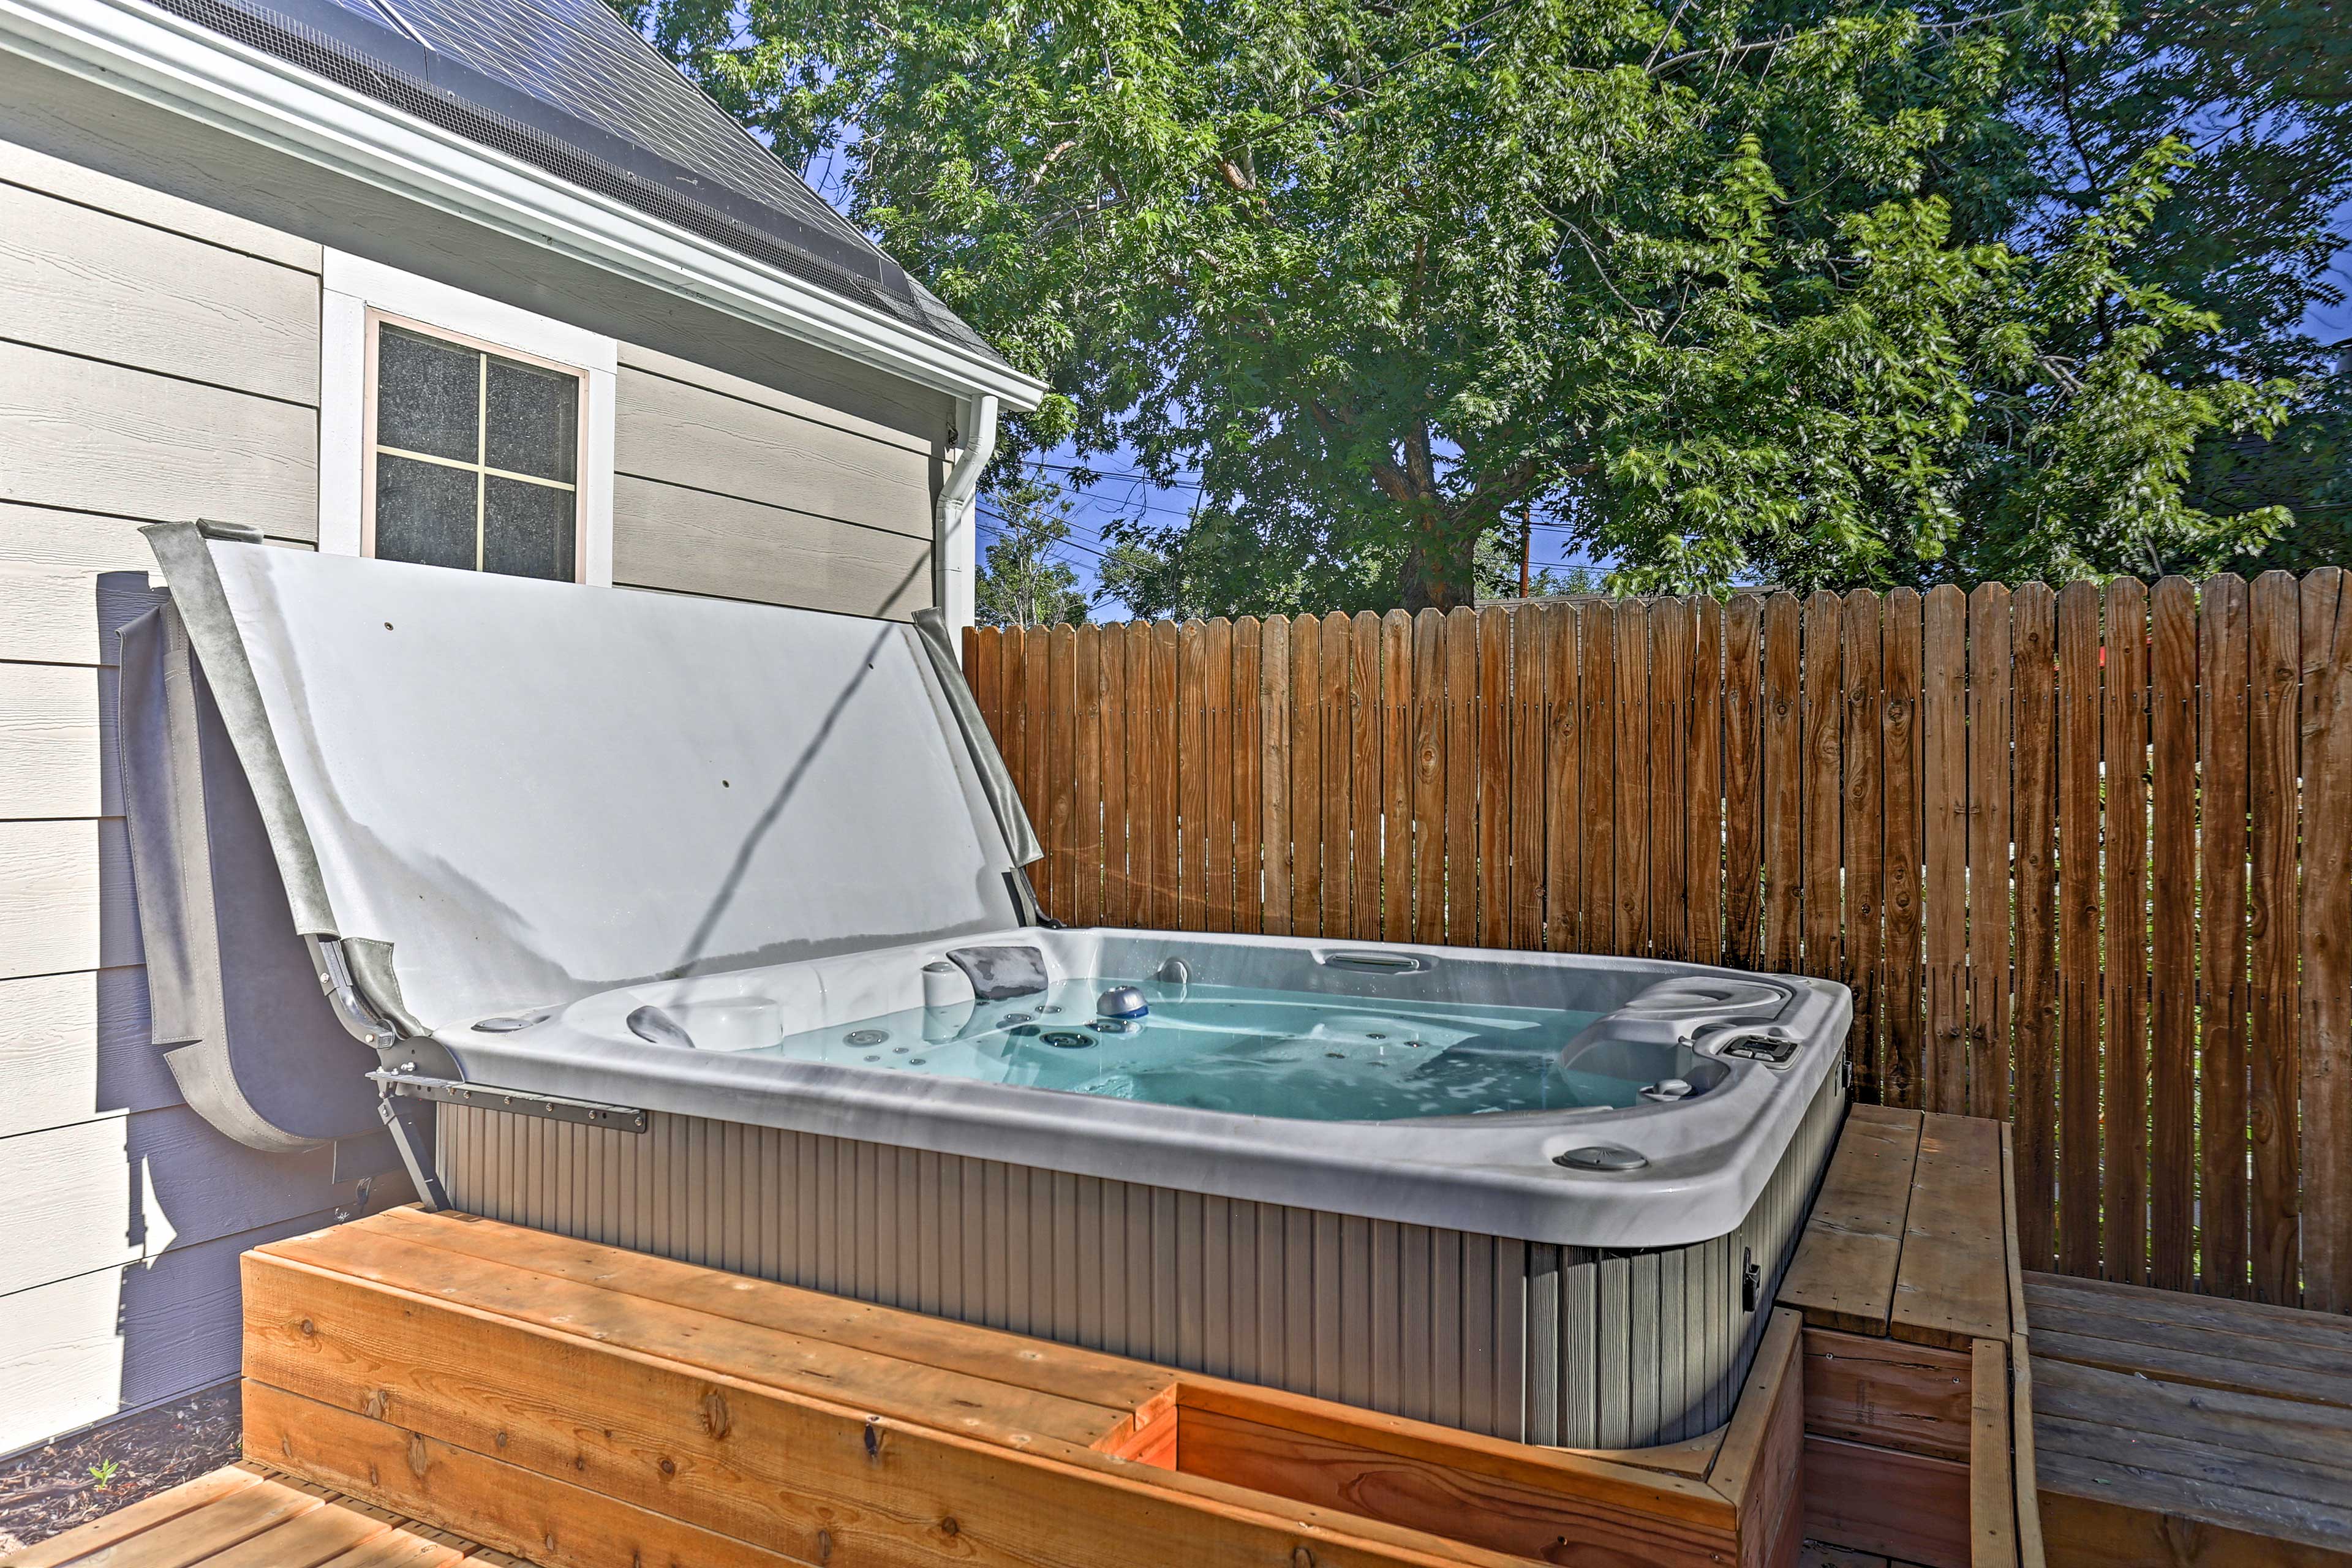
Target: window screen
pixel 476 458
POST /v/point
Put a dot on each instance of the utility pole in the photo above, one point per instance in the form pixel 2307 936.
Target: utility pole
pixel 1527 541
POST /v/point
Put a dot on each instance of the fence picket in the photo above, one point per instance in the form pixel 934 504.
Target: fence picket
pixel 2172 943
pixel 1061 764
pixel 1192 776
pixel 1531 682
pixel 1597 726
pixel 1364 769
pixel 2326 1043
pixel 1429 726
pixel 1494 922
pixel 1943 816
pixel 1307 797
pixel 2078 928
pixel 2224 1000
pixel 1143 764
pixel 1669 806
pixel 1783 795
pixel 1702 854
pixel 1564 780
pixel 1118 892
pixel 1632 843
pixel 2034 803
pixel 1460 890
pixel 1086 777
pixel 1338 712
pixel 1166 775
pixel 1901 856
pixel 1822 729
pixel 1396 777
pixel 2123 1052
pixel 1037 716
pixel 1990 837
pixel 1217 822
pixel 2273 760
pixel 1249 756
pixel 1273 773
pixel 1743 780
pixel 1863 821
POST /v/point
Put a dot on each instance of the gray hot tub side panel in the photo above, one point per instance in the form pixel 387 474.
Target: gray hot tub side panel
pixel 1573 1346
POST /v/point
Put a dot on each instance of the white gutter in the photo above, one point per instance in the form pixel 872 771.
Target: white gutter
pixel 123 46
pixel 955 541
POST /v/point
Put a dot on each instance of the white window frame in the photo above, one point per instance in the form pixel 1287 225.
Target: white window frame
pixel 355 288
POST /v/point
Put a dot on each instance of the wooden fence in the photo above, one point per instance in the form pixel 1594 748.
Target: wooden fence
pixel 2083 855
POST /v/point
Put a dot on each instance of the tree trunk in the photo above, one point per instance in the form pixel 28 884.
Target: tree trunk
pixel 1440 567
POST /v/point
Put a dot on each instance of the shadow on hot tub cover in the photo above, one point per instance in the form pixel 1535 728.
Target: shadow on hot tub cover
pixel 232 999
pixel 528 792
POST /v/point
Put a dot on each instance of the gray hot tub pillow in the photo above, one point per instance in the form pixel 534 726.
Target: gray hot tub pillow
pixel 998 972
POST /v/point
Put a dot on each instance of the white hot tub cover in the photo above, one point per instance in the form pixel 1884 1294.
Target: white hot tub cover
pixel 499 793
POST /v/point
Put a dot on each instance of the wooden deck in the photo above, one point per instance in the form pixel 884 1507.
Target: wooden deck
pixel 249 1516
pixel 2189 1430
pixel 1909 1285
pixel 586 1406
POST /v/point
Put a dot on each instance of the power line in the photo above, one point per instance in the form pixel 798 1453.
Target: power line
pixel 1068 543
pixel 1095 473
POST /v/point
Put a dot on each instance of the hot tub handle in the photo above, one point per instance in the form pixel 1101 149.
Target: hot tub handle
pixel 1767 1043
pixel 1379 963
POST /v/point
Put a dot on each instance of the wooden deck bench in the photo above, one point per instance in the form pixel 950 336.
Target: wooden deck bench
pixel 2189 1430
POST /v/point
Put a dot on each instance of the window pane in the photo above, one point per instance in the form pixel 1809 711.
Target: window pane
pixel 426 394
pixel 534 417
pixel 423 512
pixel 529 531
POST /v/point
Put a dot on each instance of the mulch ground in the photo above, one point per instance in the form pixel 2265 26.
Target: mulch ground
pixel 70 1483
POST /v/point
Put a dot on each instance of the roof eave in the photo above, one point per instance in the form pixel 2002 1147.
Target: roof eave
pixel 122 46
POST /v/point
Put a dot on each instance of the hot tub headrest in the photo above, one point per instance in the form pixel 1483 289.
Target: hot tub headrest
pixel 998 973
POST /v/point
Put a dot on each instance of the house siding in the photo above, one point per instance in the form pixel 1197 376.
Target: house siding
pixel 724 487
pixel 159 361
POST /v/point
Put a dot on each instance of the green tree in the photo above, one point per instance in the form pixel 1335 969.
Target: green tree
pixel 1731 287
pixel 1023 583
pixel 2251 234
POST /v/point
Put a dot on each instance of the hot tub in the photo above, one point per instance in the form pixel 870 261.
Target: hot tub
pixel 816 1030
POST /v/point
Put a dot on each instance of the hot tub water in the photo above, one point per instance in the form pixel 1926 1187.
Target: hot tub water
pixel 1295 1053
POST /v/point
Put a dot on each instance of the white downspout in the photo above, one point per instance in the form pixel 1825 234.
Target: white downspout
pixel 955 548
